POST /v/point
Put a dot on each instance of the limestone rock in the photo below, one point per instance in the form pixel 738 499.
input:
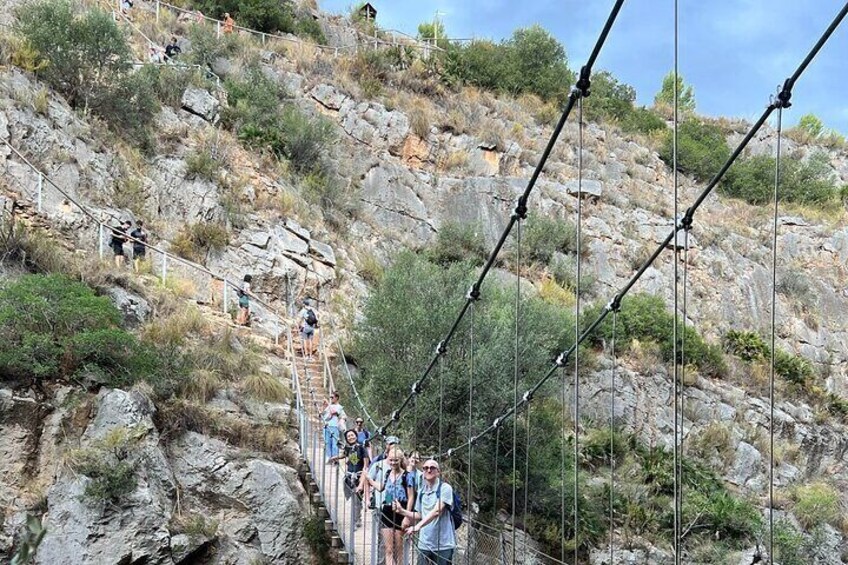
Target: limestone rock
pixel 266 496
pixel 322 252
pixel 327 96
pixel 135 309
pixel 201 103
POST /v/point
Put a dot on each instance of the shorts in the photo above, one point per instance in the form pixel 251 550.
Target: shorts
pixel 139 252
pixel 118 250
pixel 307 331
pixel 390 519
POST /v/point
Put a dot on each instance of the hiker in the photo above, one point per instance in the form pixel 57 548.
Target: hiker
pixel 363 436
pixel 308 324
pixel 126 6
pixel 432 517
pixel 172 50
pixel 119 238
pixel 357 460
pixel 154 55
pixel 413 467
pixel 139 245
pixel 379 467
pixel 229 22
pixel 332 415
pixel 396 489
pixel 243 318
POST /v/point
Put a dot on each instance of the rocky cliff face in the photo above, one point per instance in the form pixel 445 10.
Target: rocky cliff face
pixel 464 161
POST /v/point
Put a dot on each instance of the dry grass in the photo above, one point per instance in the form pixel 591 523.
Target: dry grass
pixel 455 160
pixel 265 387
pixel 551 292
pixel 174 322
pixel 200 385
pixel 180 415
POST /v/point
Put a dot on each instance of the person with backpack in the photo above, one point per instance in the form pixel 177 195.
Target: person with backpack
pixel 357 461
pixel 139 245
pixel 436 516
pixel 397 489
pixel 243 318
pixel 119 238
pixel 308 324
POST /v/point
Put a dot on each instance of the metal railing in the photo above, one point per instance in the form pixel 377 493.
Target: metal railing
pixel 61 210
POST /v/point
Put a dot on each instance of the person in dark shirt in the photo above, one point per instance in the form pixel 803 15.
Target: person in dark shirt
pixel 119 238
pixel 357 460
pixel 139 248
pixel 172 50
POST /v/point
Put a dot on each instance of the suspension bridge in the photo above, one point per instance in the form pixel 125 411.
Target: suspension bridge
pixel 477 542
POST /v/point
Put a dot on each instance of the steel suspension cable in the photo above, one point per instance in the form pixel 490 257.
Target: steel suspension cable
pixel 773 332
pixel 526 480
pixel 515 381
pixel 470 426
pixel 685 313
pixel 612 441
pixel 441 399
pixel 564 445
pixel 675 321
pixel 581 89
pixel 576 421
pixel 783 100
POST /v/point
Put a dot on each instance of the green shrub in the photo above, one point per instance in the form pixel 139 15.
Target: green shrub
pixel 543 236
pixel 531 61
pixel 108 464
pixel 564 272
pixel 168 82
pixel 789 545
pixel 307 26
pixel 196 241
pixel 793 368
pixel 260 119
pixel 810 182
pixel 816 504
pixel 642 120
pixel 701 149
pixel 746 345
pixel 811 125
pixel 52 326
pixel 262 15
pixel 306 140
pixel 206 46
pixel 645 318
pixel 723 515
pixel 201 164
pixel 456 242
pixel 88 61
pixel 685 95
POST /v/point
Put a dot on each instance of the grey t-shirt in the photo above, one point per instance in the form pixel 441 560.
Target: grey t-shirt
pixel 438 534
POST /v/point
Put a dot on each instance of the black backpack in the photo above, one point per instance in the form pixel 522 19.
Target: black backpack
pixel 311 318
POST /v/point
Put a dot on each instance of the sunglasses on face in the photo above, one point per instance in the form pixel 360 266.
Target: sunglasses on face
pixel 430 468
pixel 359 422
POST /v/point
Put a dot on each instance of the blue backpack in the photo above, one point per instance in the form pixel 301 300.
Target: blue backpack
pixel 455 507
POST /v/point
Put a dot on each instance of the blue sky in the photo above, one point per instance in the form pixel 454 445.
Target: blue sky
pixel 733 52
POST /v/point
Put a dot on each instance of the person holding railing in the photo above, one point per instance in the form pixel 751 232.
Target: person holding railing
pixel 119 238
pixel 139 245
pixel 432 518
pixel 396 487
pixel 357 461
